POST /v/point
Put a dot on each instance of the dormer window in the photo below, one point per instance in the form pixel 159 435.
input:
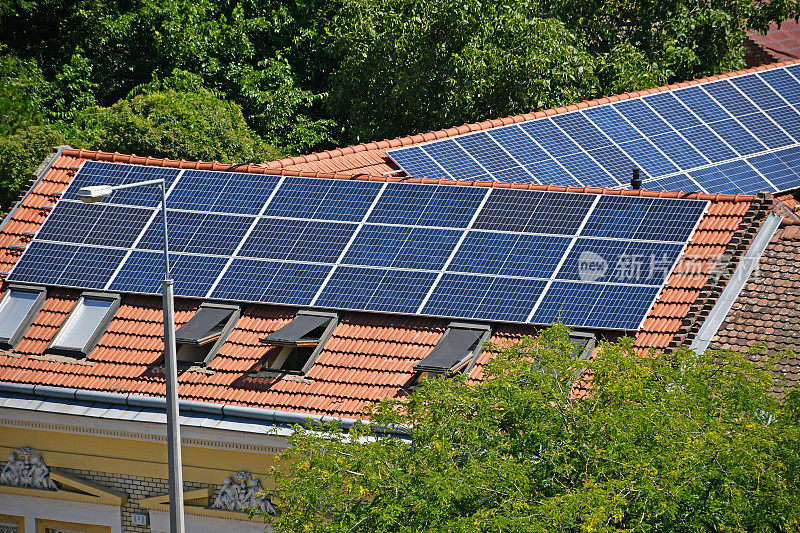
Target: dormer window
pixel 85 324
pixel 18 308
pixel 199 339
pixel 300 342
pixel 457 351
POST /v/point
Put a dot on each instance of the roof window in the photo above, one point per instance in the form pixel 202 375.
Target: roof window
pixel 18 308
pixel 203 335
pixel 457 351
pixel 86 323
pixel 301 342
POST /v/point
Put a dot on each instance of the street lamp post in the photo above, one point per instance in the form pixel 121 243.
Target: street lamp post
pixel 96 193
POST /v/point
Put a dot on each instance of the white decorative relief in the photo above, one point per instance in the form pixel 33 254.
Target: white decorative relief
pixel 242 491
pixel 26 468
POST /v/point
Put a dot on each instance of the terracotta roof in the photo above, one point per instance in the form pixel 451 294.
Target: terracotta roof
pixel 369 355
pixel 370 158
pixel 780 43
pixel 767 311
pixel 789 204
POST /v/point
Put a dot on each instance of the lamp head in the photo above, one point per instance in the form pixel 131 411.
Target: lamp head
pixel 94 193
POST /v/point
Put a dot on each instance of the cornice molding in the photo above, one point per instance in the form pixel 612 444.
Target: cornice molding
pixel 186 440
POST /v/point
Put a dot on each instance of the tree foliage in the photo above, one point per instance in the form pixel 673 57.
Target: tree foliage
pixel 413 66
pixel 308 74
pixel 23 93
pixel 179 119
pixel 20 155
pixel 683 442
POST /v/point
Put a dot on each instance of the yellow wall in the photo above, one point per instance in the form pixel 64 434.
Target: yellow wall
pixel 133 457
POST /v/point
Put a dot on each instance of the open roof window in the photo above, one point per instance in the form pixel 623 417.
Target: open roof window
pixel 18 308
pixel 301 341
pixel 86 323
pixel 457 351
pixel 200 338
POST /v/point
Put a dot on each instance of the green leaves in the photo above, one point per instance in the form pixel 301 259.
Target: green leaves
pixel 410 66
pixel 194 125
pixel 661 443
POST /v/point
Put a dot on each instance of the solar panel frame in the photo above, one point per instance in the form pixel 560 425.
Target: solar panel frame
pixel 67 265
pixel 101 173
pixel 670 136
pixel 539 227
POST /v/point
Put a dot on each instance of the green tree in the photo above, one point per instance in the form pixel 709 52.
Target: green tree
pixel 683 442
pixel 411 66
pixel 23 93
pixel 25 137
pixel 100 50
pixel 179 119
pixel 20 155
pixel 687 39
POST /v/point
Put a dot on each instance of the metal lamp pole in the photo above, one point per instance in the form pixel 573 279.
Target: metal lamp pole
pixel 96 193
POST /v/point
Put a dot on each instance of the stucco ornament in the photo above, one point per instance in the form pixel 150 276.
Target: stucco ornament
pixel 242 491
pixel 26 468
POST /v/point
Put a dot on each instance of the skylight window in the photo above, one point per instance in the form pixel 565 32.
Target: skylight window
pixel 203 335
pixel 86 323
pixel 457 351
pixel 18 308
pixel 301 342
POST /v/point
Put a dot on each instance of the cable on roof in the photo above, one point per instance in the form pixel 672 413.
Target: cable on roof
pixel 237 165
pixel 356 176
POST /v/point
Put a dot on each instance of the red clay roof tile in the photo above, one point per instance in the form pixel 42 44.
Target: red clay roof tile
pixel 780 43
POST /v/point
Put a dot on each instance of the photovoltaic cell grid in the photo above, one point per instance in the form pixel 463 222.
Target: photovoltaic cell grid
pixel 738 135
pixel 462 252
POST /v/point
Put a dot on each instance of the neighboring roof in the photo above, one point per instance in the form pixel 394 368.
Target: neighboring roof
pixel 779 43
pixel 369 356
pixel 767 311
pixel 370 159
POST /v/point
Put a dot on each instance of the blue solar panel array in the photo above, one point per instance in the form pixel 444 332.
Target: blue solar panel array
pixel 462 252
pixel 738 135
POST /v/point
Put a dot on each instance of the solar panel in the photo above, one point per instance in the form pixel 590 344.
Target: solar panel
pixel 461 252
pixel 202 190
pixel 98 173
pixel 323 199
pixel 142 272
pixel 69 265
pixel 198 233
pixel 402 247
pixel 278 282
pixel 376 289
pixel 712 137
pixel 509 254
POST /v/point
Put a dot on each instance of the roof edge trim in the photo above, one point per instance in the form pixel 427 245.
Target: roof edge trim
pixel 748 263
pixel 44 168
pixel 152 402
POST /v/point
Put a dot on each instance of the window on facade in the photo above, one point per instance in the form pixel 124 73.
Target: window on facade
pixel 457 350
pixel 11 524
pixel 86 323
pixel 200 338
pixel 18 308
pixel 300 341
